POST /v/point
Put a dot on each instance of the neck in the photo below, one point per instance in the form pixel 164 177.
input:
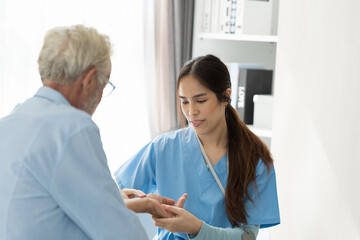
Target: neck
pixel 68 91
pixel 218 138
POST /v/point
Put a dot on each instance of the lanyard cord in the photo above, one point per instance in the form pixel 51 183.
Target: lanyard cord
pixel 249 234
pixel 211 166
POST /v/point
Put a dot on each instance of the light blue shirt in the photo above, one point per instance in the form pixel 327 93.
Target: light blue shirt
pixel 54 178
pixel 173 164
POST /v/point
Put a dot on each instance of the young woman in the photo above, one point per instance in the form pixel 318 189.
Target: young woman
pixel 237 161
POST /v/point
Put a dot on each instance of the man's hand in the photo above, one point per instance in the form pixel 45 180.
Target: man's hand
pixel 127 193
pixel 160 199
pixel 150 203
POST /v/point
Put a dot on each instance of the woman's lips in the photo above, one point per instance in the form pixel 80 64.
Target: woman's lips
pixel 197 123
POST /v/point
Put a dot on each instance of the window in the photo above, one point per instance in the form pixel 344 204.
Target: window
pixel 121 117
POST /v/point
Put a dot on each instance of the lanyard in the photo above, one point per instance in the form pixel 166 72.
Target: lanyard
pixel 211 166
pixel 247 235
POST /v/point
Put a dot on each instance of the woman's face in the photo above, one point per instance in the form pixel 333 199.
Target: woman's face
pixel 204 112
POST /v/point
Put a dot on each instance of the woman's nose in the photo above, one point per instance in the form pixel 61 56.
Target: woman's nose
pixel 193 109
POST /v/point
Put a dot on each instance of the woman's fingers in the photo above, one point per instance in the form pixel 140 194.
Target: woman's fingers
pixel 172 209
pixel 181 201
pixel 158 211
pixel 163 222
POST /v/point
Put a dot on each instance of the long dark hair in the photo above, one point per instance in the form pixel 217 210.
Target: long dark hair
pixel 244 148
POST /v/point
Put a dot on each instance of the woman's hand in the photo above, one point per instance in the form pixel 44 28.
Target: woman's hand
pixel 181 201
pixel 182 221
pixel 157 209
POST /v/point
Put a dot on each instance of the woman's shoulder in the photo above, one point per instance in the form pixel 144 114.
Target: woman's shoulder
pixel 173 141
pixel 175 136
pixel 264 170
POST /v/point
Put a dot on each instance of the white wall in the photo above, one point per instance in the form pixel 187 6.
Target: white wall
pixel 121 117
pixel 316 132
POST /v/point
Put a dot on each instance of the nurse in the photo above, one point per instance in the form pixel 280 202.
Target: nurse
pixel 224 168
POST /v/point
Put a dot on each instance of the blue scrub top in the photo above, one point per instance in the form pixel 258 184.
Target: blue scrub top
pixel 173 164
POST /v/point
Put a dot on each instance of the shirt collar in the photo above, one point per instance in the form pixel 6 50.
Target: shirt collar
pixel 51 95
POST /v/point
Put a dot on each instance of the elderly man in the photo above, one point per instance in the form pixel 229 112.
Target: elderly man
pixel 54 178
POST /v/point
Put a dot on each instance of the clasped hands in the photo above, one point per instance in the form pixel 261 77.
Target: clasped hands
pixel 164 211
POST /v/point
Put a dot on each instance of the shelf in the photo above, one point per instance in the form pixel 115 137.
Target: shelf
pixel 261 132
pixel 244 37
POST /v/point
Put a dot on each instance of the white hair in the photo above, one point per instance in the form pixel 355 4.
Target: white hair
pixel 70 51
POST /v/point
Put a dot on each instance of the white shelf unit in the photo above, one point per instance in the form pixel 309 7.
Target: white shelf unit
pixel 241 48
pixel 261 132
pixel 264 134
pixel 240 37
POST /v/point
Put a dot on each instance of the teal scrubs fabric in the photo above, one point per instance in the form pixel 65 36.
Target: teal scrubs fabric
pixel 173 164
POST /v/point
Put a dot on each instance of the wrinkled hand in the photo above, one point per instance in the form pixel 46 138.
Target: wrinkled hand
pixel 158 210
pixel 150 203
pixel 181 221
pixel 127 193
pixel 160 199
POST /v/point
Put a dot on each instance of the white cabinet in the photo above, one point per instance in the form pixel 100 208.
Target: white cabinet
pixel 256 49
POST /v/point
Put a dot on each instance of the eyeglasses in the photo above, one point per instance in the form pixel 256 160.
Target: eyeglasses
pixel 109 88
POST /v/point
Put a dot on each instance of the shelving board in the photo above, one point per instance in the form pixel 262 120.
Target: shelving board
pixel 261 132
pixel 238 37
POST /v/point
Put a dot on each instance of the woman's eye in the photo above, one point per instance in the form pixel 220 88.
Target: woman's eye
pixel 184 102
pixel 201 101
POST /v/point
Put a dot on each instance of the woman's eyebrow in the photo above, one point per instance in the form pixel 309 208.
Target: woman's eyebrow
pixel 195 96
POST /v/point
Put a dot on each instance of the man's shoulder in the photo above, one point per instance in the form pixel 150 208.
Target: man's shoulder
pixel 68 117
pixel 54 114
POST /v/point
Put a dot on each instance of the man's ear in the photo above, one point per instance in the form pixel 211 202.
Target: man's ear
pixel 89 76
pixel 88 79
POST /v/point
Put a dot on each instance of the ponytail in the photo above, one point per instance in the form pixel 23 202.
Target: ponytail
pixel 244 151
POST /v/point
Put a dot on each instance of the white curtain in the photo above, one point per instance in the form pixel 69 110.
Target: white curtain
pixel 156 65
pixel 167 47
pixel 122 117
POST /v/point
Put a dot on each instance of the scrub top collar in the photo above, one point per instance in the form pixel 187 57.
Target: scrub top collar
pixel 193 147
pixel 197 161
